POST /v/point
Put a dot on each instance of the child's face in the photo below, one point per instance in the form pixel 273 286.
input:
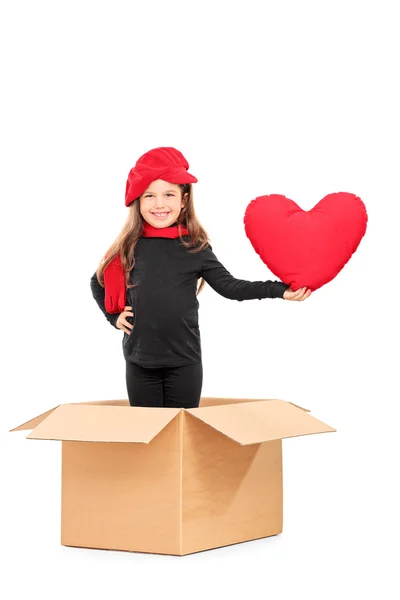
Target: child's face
pixel 161 203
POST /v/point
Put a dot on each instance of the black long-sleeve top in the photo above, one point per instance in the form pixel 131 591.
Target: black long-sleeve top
pixel 165 329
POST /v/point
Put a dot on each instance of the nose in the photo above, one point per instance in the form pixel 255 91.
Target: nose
pixel 160 202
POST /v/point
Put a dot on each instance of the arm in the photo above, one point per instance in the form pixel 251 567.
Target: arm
pixel 98 294
pixel 225 284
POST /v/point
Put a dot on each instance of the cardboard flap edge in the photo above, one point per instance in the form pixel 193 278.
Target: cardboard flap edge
pixel 32 423
pixel 66 425
pixel 307 423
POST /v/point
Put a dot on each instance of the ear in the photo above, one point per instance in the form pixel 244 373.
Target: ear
pixel 184 200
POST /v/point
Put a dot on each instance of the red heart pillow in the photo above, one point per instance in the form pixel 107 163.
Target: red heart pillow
pixel 306 248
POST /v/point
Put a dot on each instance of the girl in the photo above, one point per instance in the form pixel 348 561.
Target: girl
pixel 147 283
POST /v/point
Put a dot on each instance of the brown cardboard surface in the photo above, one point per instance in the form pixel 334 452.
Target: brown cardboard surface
pixel 123 496
pixel 261 421
pixel 194 480
pixel 230 493
pixel 205 401
pixel 124 402
pixel 32 423
pixel 79 422
pixel 211 401
pixel 302 407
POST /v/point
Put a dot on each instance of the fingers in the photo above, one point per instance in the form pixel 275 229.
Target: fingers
pixel 296 295
pixel 123 324
pixel 300 295
pixel 305 293
pixel 126 323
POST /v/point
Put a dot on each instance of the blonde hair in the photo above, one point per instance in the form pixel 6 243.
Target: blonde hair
pixel 125 244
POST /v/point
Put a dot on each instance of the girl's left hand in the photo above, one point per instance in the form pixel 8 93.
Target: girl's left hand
pixel 298 296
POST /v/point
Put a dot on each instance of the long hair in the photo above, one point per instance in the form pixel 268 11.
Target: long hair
pixel 125 244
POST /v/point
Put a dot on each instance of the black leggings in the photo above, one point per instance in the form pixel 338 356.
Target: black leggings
pixel 173 387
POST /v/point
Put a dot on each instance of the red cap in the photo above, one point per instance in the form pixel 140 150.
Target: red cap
pixel 163 163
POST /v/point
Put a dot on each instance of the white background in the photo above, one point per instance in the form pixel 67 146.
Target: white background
pixel 295 98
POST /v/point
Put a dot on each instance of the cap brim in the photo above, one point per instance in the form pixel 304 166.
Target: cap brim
pixel 178 176
pixel 140 183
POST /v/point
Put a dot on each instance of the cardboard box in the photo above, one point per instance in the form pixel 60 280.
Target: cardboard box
pixel 171 481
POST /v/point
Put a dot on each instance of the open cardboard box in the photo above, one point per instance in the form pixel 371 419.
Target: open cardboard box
pixel 171 481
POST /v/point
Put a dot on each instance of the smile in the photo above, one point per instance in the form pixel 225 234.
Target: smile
pixel 160 215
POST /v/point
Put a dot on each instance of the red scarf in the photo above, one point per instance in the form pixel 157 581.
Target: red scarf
pixel 114 273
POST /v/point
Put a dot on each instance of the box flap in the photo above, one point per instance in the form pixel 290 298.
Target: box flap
pixel 205 401
pixel 302 407
pixel 260 421
pixel 104 402
pixel 96 423
pixel 32 423
pixel 214 401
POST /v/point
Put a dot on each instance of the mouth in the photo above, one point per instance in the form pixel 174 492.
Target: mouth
pixel 160 215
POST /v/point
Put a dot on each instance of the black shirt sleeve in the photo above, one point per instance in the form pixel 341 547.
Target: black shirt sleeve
pixel 99 293
pixel 225 284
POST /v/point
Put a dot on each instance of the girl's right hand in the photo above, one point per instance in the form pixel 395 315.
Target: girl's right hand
pixel 297 296
pixel 122 323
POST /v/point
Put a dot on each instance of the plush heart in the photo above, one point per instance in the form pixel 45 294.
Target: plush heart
pixel 306 248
